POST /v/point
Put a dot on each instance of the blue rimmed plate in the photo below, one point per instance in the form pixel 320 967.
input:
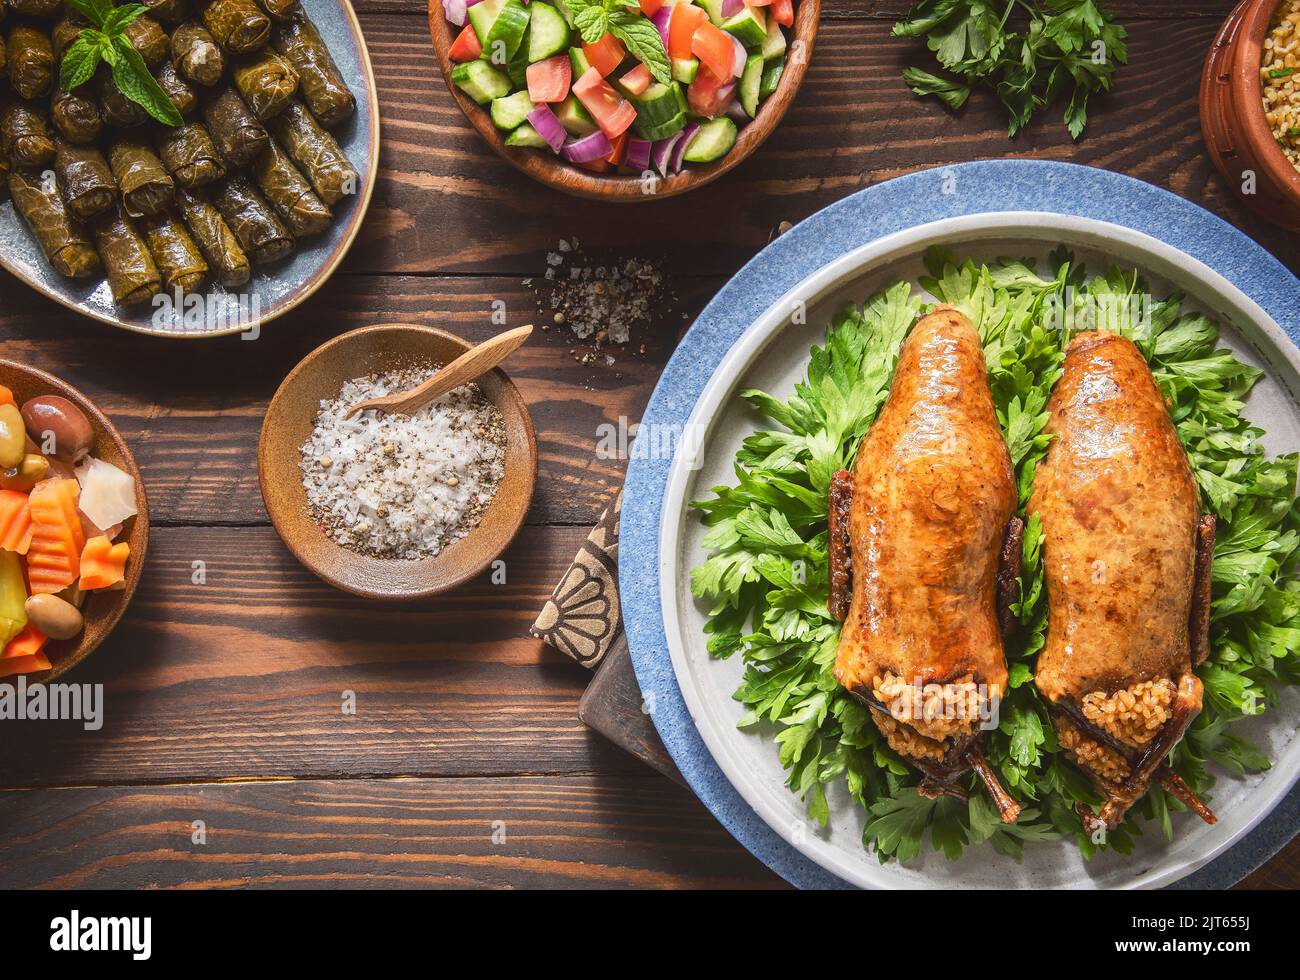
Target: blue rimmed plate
pixel 846 252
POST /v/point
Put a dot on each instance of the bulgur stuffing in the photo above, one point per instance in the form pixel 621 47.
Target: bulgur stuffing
pixel 934 710
pixel 1134 715
pixel 1280 77
pixel 1091 755
pixel 906 741
pixel 399 486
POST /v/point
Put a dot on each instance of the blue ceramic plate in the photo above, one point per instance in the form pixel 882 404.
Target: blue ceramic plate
pixel 273 290
pixel 845 252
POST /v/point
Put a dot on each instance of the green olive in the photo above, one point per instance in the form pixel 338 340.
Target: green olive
pixel 13 437
pixel 26 474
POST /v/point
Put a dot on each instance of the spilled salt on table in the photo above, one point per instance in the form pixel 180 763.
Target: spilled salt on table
pixel 398 486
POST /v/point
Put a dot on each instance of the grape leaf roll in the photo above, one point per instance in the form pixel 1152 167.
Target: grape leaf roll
pixel 180 263
pixel 24 138
pixel 238 25
pixel 146 186
pixel 259 229
pixel 36 8
pixel 196 55
pixel 238 134
pixel 323 89
pixel 133 276
pixel 290 194
pixel 148 37
pixel 85 180
pixel 317 154
pixel 280 9
pixel 31 61
pixel 76 115
pixel 64 240
pixel 166 10
pixel 220 247
pixel 190 155
pixel 118 111
pixel 184 98
pixel 266 82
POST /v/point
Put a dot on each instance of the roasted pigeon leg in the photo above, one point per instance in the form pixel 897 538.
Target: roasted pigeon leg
pixel 1126 555
pixel 917 532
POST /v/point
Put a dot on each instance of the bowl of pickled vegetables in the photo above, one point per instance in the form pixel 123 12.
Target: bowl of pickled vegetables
pixel 74 525
pixel 619 99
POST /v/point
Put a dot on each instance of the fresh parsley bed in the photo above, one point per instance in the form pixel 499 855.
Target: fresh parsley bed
pixel 766 586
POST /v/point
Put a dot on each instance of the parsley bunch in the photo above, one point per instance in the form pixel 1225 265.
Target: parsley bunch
pixel 622 18
pixel 766 575
pixel 1031 52
pixel 107 42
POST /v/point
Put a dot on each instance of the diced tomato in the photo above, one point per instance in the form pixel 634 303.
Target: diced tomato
pixel 783 11
pixel 758 3
pixel 613 113
pixel 606 54
pixel 620 144
pixel 548 80
pixel 637 80
pixel 714 49
pixel 681 28
pixel 651 7
pixel 466 47
pixel 709 95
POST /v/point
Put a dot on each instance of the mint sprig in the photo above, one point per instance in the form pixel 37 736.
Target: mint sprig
pixel 107 43
pixel 622 18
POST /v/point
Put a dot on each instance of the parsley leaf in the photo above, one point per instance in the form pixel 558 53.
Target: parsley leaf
pixel 1050 50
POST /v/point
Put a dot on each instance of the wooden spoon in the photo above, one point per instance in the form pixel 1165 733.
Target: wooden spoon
pixel 474 363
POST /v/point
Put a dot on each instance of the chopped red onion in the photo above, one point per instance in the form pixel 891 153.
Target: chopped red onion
pixel 738 65
pixel 660 20
pixel 679 151
pixel 638 154
pixel 737 112
pixel 588 149
pixel 548 126
pixel 732 7
pixel 455 11
pixel 662 153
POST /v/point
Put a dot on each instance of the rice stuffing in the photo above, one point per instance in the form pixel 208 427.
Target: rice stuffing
pixel 398 486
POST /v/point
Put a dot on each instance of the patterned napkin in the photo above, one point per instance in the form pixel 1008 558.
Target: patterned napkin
pixel 583 618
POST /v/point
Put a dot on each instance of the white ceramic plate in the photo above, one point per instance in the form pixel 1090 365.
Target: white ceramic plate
pixel 772 355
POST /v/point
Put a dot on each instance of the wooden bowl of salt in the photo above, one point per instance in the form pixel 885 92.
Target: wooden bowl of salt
pixel 391 506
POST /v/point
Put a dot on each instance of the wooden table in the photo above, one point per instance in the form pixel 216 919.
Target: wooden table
pixel 224 699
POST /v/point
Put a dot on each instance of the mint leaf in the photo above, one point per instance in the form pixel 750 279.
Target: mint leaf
pixel 121 17
pixel 95 11
pixel 642 39
pixel 592 23
pixel 132 77
pixel 81 60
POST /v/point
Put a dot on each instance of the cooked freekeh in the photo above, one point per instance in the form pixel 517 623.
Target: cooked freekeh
pixel 1280 77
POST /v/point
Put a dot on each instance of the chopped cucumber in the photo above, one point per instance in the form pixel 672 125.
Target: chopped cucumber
pixel 750 84
pixel 548 32
pixel 480 81
pixel 517 69
pixel 506 34
pixel 712 141
pixel 714 9
pixel 578 59
pixel 566 10
pixel 525 135
pixel 509 111
pixel 661 131
pixel 685 69
pixel 575 118
pixel 658 104
pixel 481 16
pixel 774 43
pixel 771 78
pixel 749 26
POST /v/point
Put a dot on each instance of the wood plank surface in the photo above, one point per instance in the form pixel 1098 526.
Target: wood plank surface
pixel 223 700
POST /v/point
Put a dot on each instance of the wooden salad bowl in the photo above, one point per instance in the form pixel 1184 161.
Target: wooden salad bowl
pixel 103 607
pixel 1232 118
pixel 550 169
pixel 289 422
